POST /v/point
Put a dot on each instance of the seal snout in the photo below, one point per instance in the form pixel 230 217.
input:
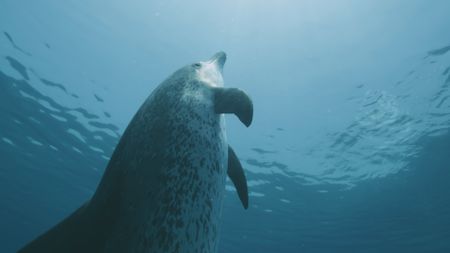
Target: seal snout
pixel 219 59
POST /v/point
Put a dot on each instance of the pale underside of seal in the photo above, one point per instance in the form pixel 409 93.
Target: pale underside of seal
pixel 163 188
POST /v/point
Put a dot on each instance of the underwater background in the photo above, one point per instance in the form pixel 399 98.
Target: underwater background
pixel 349 150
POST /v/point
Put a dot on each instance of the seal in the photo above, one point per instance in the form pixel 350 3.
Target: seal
pixel 163 188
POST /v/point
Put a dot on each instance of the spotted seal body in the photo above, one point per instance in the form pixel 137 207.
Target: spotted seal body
pixel 163 188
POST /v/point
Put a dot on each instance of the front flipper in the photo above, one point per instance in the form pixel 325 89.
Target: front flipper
pixel 233 100
pixel 237 176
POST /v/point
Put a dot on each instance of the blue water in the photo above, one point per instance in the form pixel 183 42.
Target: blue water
pixel 349 150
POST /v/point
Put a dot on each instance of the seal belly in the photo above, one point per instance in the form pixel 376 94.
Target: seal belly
pixel 196 194
pixel 190 208
pixel 184 177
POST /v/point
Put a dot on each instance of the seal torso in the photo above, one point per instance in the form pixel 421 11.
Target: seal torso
pixel 171 164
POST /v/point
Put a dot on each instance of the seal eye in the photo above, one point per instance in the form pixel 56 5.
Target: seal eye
pixel 197 65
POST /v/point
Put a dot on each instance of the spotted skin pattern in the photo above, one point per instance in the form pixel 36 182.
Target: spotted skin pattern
pixel 171 163
pixel 162 190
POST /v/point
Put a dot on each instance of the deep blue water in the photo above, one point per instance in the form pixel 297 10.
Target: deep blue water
pixel 349 150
